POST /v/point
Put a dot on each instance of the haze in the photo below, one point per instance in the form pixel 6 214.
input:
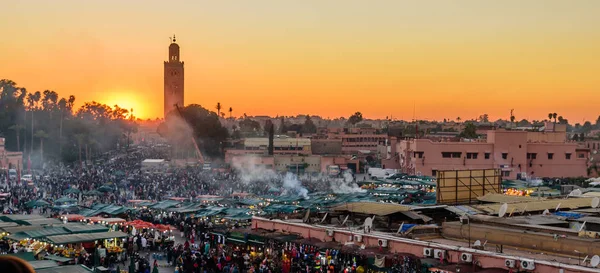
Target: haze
pixel 331 58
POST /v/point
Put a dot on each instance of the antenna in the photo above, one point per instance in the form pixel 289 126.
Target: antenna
pixel 595 261
pixel 345 219
pixel 524 209
pixel 595 202
pixel 324 217
pixel 582 226
pixel 401 226
pixel 557 207
pixel 502 210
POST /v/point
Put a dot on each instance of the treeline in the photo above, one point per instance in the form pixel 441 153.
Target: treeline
pixel 47 128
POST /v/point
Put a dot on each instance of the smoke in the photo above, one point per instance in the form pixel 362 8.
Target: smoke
pixel 293 186
pixel 251 171
pixel 345 184
pixel 180 135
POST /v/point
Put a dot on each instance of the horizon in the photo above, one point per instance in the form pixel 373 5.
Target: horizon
pixel 390 58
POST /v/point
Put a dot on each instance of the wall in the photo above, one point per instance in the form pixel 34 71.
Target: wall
pixel 403 245
pixel 13 160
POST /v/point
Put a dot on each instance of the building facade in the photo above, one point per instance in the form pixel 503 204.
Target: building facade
pixel 10 160
pixel 173 79
pixel 519 154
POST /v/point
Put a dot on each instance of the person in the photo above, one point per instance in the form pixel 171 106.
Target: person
pixel 15 265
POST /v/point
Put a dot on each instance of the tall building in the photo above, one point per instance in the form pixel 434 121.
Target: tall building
pixel 173 79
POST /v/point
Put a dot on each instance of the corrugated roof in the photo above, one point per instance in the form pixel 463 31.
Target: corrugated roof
pixel 589 219
pixel 85 237
pixel 86 228
pixel 550 204
pixel 380 209
pixel 503 198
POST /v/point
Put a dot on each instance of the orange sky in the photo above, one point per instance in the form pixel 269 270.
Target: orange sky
pixel 331 58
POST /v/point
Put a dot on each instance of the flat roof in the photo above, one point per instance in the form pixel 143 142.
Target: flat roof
pixel 153 161
pixel 376 208
pixel 503 198
pixel 550 204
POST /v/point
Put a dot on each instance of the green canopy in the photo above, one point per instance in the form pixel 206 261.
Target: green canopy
pixel 105 189
pixel 37 203
pixel 42 264
pixel 71 190
pixel 86 228
pixel 58 258
pixel 93 192
pixel 65 269
pixel 65 199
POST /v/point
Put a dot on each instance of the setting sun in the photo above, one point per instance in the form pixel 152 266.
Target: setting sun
pixel 128 100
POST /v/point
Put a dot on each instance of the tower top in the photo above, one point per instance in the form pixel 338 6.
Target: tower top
pixel 174 39
pixel 173 50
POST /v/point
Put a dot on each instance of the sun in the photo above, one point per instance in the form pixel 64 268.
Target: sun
pixel 127 100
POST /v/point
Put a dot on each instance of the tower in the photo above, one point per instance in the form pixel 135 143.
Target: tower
pixel 173 79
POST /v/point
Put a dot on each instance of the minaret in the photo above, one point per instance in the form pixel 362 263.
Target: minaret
pixel 173 79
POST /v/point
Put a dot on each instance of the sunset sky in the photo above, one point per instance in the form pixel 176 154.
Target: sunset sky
pixel 331 58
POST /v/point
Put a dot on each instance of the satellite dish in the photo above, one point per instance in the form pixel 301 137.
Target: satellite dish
pixel 477 243
pixel 502 210
pixel 575 193
pixel 595 261
pixel 400 228
pixel 368 224
pixel 557 207
pixel 595 202
pixel 546 212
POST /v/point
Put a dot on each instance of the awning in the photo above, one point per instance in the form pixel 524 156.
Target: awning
pixel 86 228
pixel 85 237
pixel 42 264
pixel 235 240
pixel 66 269
pixel 58 258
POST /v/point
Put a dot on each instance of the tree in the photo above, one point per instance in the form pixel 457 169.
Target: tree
pixel 17 128
pixel 470 131
pixel 483 118
pixel 41 135
pixel 575 137
pixel 355 118
pixel 587 127
pixel 581 137
pixel 282 127
pixel 218 109
pixel 230 111
pixel 598 122
pixel 549 116
pixel 309 126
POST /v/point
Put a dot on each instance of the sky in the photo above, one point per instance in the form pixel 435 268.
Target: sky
pixel 403 59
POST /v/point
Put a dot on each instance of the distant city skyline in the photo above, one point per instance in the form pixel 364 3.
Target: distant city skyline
pixel 422 59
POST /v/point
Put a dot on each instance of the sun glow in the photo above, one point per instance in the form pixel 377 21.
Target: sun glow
pixel 127 100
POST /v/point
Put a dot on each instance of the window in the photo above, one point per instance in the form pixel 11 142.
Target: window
pixel 531 155
pixel 568 156
pixel 471 155
pixel 550 155
pixel 433 172
pixel 504 155
pixel 451 154
pixel 487 155
pixel 505 173
pixel 580 155
pixel 419 154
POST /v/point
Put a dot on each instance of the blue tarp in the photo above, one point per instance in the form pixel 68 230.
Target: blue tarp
pixel 406 227
pixel 569 215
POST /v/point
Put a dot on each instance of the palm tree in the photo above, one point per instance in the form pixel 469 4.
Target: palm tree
pixel 80 139
pixel 41 135
pixel 458 119
pixel 554 116
pixel 549 116
pixel 17 128
pixel 231 110
pixel 218 109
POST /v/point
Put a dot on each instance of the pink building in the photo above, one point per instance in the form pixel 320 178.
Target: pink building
pixel 516 153
pixel 10 160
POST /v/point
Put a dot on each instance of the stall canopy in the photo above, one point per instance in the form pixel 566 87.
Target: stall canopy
pixel 85 237
pixel 42 264
pixel 86 228
pixel 66 269
pixel 59 259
